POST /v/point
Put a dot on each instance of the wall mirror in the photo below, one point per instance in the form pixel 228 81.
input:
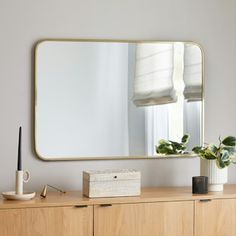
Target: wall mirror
pixel 115 99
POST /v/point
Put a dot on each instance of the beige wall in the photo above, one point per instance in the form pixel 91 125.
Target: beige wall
pixel 22 23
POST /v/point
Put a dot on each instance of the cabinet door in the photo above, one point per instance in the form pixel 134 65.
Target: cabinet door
pixel 54 221
pixel 144 219
pixel 215 217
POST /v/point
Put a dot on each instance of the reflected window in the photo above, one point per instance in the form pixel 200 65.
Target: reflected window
pixel 168 83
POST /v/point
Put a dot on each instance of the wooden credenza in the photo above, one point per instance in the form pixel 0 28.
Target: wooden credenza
pixel 172 211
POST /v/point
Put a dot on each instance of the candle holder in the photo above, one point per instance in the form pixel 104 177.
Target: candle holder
pixel 21 178
pixel 200 184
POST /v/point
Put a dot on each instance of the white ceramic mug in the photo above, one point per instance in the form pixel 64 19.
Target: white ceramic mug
pixel 21 177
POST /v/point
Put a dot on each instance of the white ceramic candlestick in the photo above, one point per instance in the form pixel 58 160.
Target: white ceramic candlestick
pixel 20 180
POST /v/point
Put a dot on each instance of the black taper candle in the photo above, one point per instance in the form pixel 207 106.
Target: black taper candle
pixel 19 164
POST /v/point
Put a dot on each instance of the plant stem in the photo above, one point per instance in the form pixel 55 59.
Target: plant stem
pixel 220 141
pixel 219 148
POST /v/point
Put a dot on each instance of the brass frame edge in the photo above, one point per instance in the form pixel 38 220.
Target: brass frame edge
pixel 110 158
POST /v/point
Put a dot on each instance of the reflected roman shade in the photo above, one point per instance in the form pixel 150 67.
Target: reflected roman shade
pixel 153 84
pixel 192 73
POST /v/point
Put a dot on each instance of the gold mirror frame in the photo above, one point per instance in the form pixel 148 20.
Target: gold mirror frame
pixel 158 156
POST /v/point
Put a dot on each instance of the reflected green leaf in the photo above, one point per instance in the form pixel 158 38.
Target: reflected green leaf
pixel 185 138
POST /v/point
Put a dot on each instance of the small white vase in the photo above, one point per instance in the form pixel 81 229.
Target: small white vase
pixel 216 177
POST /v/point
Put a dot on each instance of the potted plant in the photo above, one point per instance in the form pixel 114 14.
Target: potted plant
pixel 214 161
pixel 169 147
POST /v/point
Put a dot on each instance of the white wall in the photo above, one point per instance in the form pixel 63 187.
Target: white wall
pixel 22 23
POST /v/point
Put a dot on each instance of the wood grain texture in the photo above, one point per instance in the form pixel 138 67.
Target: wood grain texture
pixel 158 194
pixel 215 218
pixel 147 219
pixel 163 211
pixel 57 221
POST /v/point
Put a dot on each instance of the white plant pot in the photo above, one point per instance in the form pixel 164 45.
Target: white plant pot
pixel 216 177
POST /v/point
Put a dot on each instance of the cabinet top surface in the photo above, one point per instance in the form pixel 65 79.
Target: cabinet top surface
pixel 152 194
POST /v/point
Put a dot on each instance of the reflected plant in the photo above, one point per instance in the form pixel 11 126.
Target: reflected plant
pixel 172 147
pixel 224 153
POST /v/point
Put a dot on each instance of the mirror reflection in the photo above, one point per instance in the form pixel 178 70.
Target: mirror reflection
pixel 116 99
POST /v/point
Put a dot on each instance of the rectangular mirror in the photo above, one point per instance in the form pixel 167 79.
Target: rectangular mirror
pixel 115 99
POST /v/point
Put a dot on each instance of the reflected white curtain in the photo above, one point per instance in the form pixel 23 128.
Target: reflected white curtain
pixel 192 73
pixel 154 74
pixel 156 127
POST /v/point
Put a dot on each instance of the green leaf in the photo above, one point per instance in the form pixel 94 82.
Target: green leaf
pixel 163 141
pixel 229 141
pixel 208 154
pixel 197 149
pixel 177 145
pixel 220 163
pixel 224 159
pixel 231 150
pixel 164 149
pixel 224 156
pixel 227 163
pixel 171 147
pixel 185 138
pixel 213 148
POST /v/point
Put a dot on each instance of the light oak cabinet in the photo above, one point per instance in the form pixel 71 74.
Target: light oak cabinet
pixel 172 211
pixel 53 221
pixel 144 219
pixel 215 217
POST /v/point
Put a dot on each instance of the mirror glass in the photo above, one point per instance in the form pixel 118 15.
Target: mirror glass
pixel 105 100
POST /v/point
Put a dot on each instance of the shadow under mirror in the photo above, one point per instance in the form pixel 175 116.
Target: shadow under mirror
pixel 105 100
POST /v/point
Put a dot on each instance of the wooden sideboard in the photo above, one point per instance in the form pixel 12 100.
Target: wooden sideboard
pixel 163 211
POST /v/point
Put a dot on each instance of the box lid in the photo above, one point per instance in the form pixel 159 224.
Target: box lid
pixel 108 175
